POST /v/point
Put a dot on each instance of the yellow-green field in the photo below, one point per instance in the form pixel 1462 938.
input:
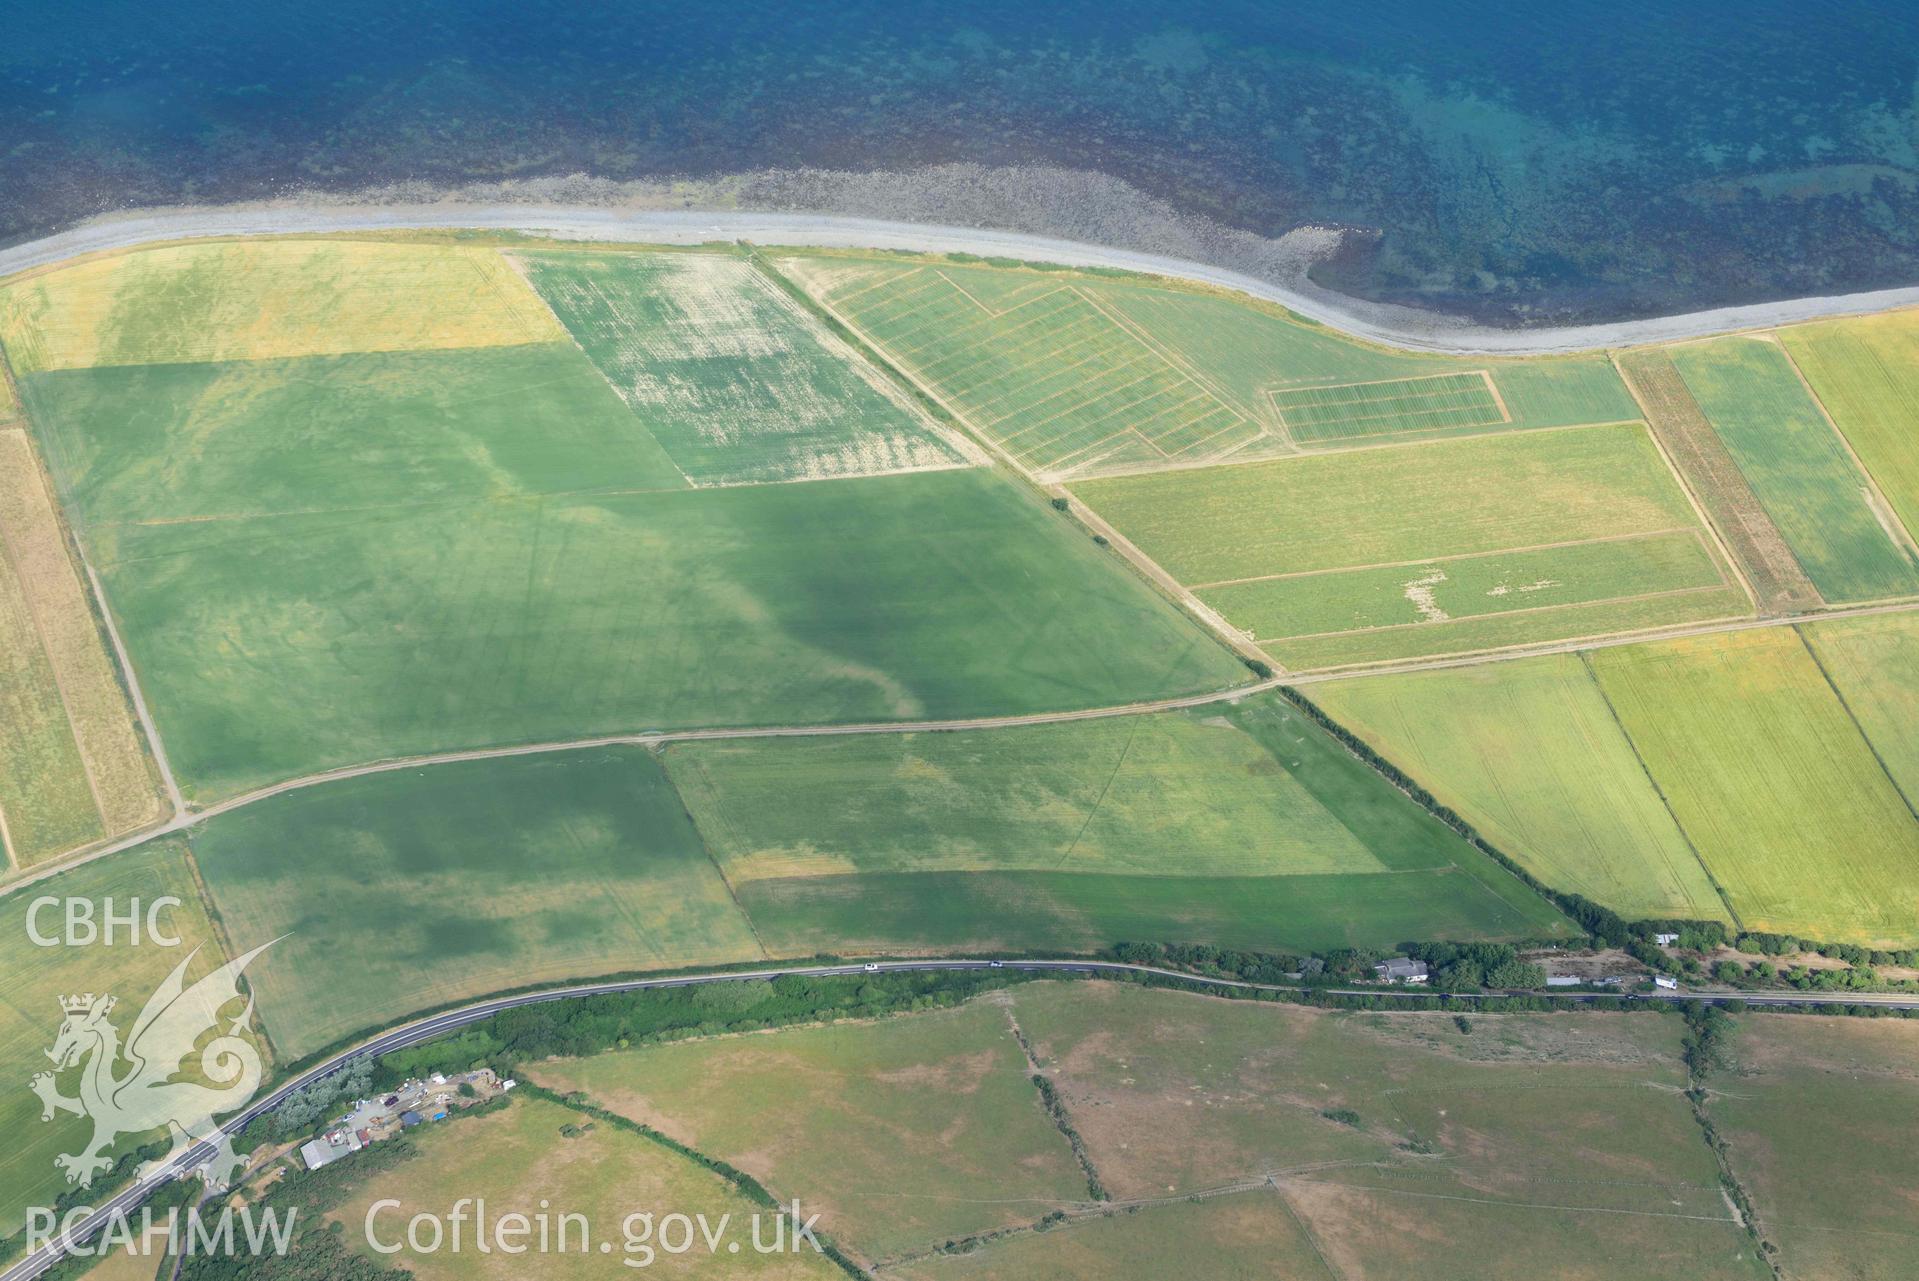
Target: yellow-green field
pixel 72 767
pixel 1874 664
pixel 902 1133
pixel 1529 753
pixel 519 1162
pixel 37 977
pixel 1445 547
pixel 255 299
pixel 1772 782
pixel 1815 1112
pixel 1865 371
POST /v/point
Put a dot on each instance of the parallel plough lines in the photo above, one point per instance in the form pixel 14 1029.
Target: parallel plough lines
pixel 1052 377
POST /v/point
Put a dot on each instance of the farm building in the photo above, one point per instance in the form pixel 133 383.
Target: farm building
pixel 1401 969
pixel 329 1148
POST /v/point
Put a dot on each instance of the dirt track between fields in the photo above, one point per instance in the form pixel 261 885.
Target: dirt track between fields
pixel 1393 327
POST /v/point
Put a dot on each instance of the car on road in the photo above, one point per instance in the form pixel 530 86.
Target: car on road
pixel 871 967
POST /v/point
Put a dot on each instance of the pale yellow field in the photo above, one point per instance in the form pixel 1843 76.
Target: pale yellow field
pixel 261 299
pixel 102 723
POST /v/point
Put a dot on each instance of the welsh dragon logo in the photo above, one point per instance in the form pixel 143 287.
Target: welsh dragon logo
pixel 147 1096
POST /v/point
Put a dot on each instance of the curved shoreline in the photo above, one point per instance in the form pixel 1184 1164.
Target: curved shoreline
pixel 1390 326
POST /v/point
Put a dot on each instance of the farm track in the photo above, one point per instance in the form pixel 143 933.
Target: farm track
pixel 435 1025
pixel 1389 326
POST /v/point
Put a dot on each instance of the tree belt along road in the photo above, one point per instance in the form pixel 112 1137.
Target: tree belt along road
pixel 426 1029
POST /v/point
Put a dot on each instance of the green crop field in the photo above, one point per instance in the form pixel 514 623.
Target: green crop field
pixel 1874 664
pixel 542 1160
pixel 280 645
pixel 1799 467
pixel 734 379
pixel 1073 374
pixel 37 977
pixel 1814 1118
pixel 1529 753
pixel 860 1121
pixel 1772 782
pixel 225 444
pixel 1865 370
pixel 1438 548
pixel 253 299
pixel 1246 823
pixel 402 891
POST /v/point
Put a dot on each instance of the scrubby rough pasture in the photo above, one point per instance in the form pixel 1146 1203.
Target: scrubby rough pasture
pixel 37 977
pixel 1530 754
pixel 1506 1151
pixel 1245 823
pixel 902 1134
pixel 541 1160
pixel 254 299
pixel 734 379
pixel 1444 547
pixel 72 767
pixel 405 891
pixel 1865 372
pixel 1770 779
pixel 1839 528
pixel 331 559
pixel 1814 1114
pixel 1244 1236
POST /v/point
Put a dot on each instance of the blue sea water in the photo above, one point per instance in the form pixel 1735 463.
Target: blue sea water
pixel 1518 160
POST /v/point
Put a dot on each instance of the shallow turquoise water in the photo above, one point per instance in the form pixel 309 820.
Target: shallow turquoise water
pixel 1520 161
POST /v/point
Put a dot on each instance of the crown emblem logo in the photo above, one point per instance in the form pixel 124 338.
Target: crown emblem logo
pixel 85 1004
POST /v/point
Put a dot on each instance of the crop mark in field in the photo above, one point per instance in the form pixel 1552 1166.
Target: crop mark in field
pixel 1778 581
pixel 1504 613
pixel 1635 536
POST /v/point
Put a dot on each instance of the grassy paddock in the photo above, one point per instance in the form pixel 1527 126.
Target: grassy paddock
pixel 254 299
pixel 1529 753
pixel 1772 782
pixel 405 891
